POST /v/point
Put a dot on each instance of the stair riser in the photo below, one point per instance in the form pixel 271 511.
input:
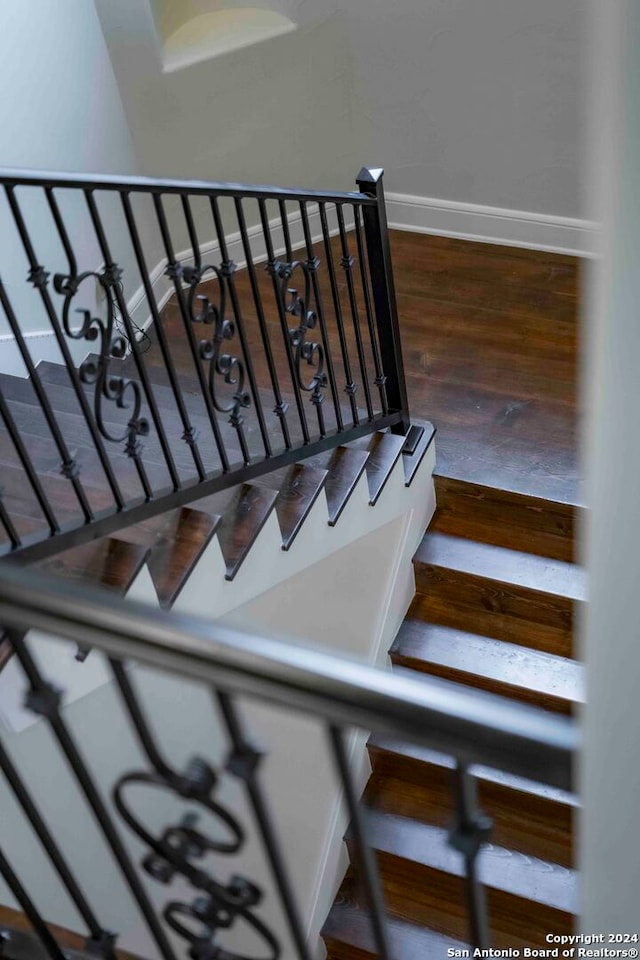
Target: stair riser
pixel 522 694
pixel 479 605
pixel 505 519
pixel 526 823
pixel 438 900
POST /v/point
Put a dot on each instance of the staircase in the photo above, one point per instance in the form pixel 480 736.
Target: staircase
pixel 172 544
pixel 494 609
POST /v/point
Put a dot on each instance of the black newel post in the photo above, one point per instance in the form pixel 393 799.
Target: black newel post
pixel 369 181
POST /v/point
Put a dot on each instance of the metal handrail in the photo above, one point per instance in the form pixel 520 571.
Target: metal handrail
pixel 475 727
pixel 103 181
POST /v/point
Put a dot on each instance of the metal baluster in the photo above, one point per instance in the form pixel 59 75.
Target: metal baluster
pixel 313 263
pixel 98 934
pixel 272 268
pixel 286 233
pixel 144 734
pixel 30 911
pixel 156 416
pixel 27 463
pixel 281 407
pixel 243 763
pixel 174 272
pixel 7 523
pixel 351 387
pixel 242 398
pixel 69 466
pixel 380 380
pixel 471 830
pixel 190 433
pixel 347 263
pixel 44 700
pixel 374 218
pixel 366 862
pixel 227 269
pixel 68 359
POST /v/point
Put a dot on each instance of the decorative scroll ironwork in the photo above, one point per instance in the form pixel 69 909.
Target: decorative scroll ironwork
pixel 225 365
pixel 308 351
pixel 94 371
pixel 177 852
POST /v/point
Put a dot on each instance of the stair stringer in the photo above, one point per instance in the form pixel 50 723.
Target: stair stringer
pixel 208 594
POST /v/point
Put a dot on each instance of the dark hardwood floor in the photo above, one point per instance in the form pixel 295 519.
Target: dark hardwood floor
pixel 490 347
pixel 489 337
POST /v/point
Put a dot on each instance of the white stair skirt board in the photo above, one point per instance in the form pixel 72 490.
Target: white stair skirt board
pixel 470 221
pixel 42 343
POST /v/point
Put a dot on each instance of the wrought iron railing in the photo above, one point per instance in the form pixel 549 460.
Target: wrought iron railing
pixel 340 694
pixel 179 373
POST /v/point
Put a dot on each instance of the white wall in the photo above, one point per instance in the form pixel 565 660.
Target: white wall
pixel 610 773
pixel 465 101
pixel 60 110
pixel 280 112
pixel 477 102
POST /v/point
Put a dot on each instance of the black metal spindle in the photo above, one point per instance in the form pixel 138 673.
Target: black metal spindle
pixel 347 262
pixel 25 459
pixel 350 388
pixel 7 523
pixel 272 268
pixel 374 218
pixel 286 233
pixel 380 380
pixel 243 763
pixel 313 264
pixel 242 399
pixel 190 433
pixel 174 271
pixel 68 359
pixel 30 910
pixel 156 415
pixel 98 934
pixel 69 467
pixel 365 859
pixel 280 408
pixel 44 699
pixel 137 718
pixel 228 268
pixel 470 832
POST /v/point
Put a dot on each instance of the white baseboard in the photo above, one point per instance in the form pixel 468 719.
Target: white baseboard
pixel 470 221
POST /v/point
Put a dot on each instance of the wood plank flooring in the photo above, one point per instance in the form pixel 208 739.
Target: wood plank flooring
pixel 489 336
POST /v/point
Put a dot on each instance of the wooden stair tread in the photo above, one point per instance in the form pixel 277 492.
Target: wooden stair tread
pixel 384 449
pixel 505 518
pixel 407 760
pixel 425 845
pixel 513 567
pixel 344 466
pixel 176 541
pixel 505 668
pixel 411 461
pixel 298 488
pixel 110 563
pixel 531 825
pixel 243 510
pixel 348 935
